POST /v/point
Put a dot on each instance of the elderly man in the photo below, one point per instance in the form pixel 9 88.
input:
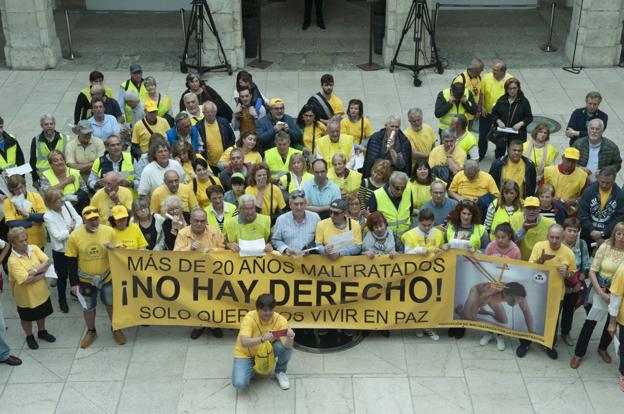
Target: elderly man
pixel 320 192
pixel 236 165
pixel 492 87
pixel 246 114
pixel 41 145
pixel 453 101
pixel 327 104
pixel 465 140
pixel 440 204
pixel 471 78
pixel 81 153
pixel 192 108
pixel 294 231
pixel 420 135
pixel 601 207
pixel 152 175
pixel 135 83
pixel 394 201
pixel 184 130
pixel 568 180
pixel 475 185
pixel 530 227
pixel 248 225
pixel 89 270
pixel 219 210
pixel 111 194
pixel 338 223
pixel 597 152
pixel 581 117
pixel 555 253
pixel 142 132
pixel 278 158
pixel 216 134
pixel 389 144
pixel 111 106
pixel 114 159
pixel 133 110
pixel 171 186
pixel 335 143
pixel 276 121
pixel 447 159
pixel 515 166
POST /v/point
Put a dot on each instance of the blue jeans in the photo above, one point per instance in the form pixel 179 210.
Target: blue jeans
pixel 5 351
pixel 242 368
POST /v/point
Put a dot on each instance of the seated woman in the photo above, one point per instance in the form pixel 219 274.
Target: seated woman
pixel 379 240
pixel 380 173
pixel 355 211
pixel 183 152
pixel 27 268
pixel 421 183
pixel 248 143
pixel 269 198
pixel 203 178
pixel 151 225
pixel 129 235
pixel 174 220
pixel 347 180
pixel 25 209
pixel 297 174
pixel 60 177
pixel 312 129
pixel 424 239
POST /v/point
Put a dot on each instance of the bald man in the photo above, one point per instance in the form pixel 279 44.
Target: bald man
pixel 172 186
pixel 111 194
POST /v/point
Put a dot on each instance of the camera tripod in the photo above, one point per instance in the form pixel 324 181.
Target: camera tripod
pixel 420 18
pixel 195 30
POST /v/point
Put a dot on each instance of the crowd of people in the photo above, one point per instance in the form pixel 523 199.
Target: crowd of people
pixel 215 174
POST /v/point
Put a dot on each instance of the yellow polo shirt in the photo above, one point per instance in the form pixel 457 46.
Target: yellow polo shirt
pixel 36 232
pixel 437 156
pixel 141 136
pixel 89 248
pixel 567 186
pixel 260 228
pixel 492 89
pixel 214 145
pixel 162 192
pixel 359 130
pixel 27 295
pixel 104 204
pixel 482 184
pixel 564 256
pixel 278 198
pixel 515 171
pixel 326 230
pixel 131 238
pixel 423 140
pixel 253 327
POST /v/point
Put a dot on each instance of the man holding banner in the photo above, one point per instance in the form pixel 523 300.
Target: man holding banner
pixel 248 225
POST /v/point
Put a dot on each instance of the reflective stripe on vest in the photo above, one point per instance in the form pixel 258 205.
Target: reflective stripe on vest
pixel 11 158
pixel 126 165
pixel 456 108
pixel 43 151
pixel 398 220
pixel 68 189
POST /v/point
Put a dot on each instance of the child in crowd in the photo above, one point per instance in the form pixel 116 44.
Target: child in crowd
pixel 504 208
pixel 238 189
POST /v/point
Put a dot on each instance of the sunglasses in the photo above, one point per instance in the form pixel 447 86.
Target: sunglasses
pixel 297 194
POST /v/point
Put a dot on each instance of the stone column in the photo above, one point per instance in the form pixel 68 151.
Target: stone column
pixel 599 33
pixel 30 33
pixel 396 15
pixel 228 21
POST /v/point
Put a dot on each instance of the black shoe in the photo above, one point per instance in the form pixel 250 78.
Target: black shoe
pixel 216 332
pixel 197 332
pixel 451 333
pixel 63 305
pixel 459 334
pixel 46 336
pixel 321 25
pixel 32 344
pixel 551 352
pixel 522 350
pixel 305 25
pixel 12 360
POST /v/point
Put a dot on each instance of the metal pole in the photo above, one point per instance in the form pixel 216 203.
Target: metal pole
pixel 548 47
pixel 69 38
pixel 259 62
pixel 183 24
pixel 370 66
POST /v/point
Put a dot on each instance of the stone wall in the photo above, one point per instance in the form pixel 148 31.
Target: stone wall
pixel 228 21
pixel 396 14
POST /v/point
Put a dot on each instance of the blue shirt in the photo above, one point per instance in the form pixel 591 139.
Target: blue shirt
pixel 579 120
pixel 196 142
pixel 288 233
pixel 106 129
pixel 440 213
pixel 321 197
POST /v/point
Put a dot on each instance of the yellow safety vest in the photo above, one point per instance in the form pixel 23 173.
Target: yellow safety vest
pixel 68 189
pixel 456 108
pixel 228 212
pixel 43 151
pixel 475 237
pixel 501 216
pixel 275 162
pixel 533 235
pixel 350 184
pixel 11 157
pixel 468 141
pixel 86 91
pixel 399 219
pixel 142 91
pixel 126 165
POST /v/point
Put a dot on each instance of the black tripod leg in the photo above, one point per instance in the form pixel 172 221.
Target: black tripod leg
pixel 406 27
pixel 434 48
pixel 213 29
pixel 187 39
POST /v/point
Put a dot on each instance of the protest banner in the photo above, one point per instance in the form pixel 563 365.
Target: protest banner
pixel 452 289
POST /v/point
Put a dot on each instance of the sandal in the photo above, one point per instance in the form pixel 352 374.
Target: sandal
pixel 622 383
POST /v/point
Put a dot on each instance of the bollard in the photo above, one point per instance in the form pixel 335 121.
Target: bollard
pixel 548 47
pixel 69 38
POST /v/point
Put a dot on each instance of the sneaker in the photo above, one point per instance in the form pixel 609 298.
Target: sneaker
pixel 282 379
pixel 120 338
pixel 419 333
pixel 46 336
pixel 32 343
pixel 522 350
pixel 485 339
pixel 500 343
pixel 551 352
pixel 88 339
pixel 432 334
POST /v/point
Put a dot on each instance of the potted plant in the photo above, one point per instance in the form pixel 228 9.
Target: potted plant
pixel 249 10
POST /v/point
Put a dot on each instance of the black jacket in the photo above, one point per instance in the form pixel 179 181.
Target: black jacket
pixel 593 218
pixel 227 134
pixel 530 176
pixel 374 151
pixel 209 94
pixel 511 114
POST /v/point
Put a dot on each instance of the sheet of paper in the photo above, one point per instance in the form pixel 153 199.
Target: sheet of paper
pixel 81 299
pixel 251 247
pixel 21 202
pixel 507 130
pixel 342 241
pixel 19 170
pixel 358 161
pixel 51 273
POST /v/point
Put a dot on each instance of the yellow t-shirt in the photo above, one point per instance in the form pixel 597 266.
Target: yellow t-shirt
pixel 515 171
pixel 260 228
pixel 437 156
pixel 319 131
pixel 423 140
pixel 537 155
pixel 326 230
pixel 27 295
pixel 359 130
pixel 36 233
pixel 200 194
pixel 252 157
pixel 327 149
pixel 563 257
pixel 131 238
pixel 89 248
pixel 278 198
pixel 482 184
pixel 336 104
pixel 214 145
pixel 606 260
pixel 252 326
pixel 416 238
pixel 492 89
pixel 104 204
pixel 604 197
pixel 420 193
pixel 141 136
pixel 617 288
pixel 567 186
pixel 162 192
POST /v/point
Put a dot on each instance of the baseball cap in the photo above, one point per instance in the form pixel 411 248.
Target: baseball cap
pixel 572 153
pixel 119 212
pixel 339 204
pixel 150 106
pixel 238 178
pixel 531 202
pixel 90 212
pixel 275 101
pixel 84 127
pixel 135 67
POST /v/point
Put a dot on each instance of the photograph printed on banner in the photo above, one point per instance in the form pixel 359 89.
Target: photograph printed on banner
pixel 505 295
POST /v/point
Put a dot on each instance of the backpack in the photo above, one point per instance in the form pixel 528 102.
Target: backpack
pixel 264 361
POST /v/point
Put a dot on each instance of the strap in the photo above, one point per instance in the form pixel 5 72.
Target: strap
pixel 271 203
pixel 127 85
pixel 324 104
pixel 212 180
pixel 146 126
pixel 313 136
pixel 288 180
pixel 194 185
pixel 361 129
pixel 158 103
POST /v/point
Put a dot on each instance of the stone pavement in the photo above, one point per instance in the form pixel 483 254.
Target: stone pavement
pixel 160 370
